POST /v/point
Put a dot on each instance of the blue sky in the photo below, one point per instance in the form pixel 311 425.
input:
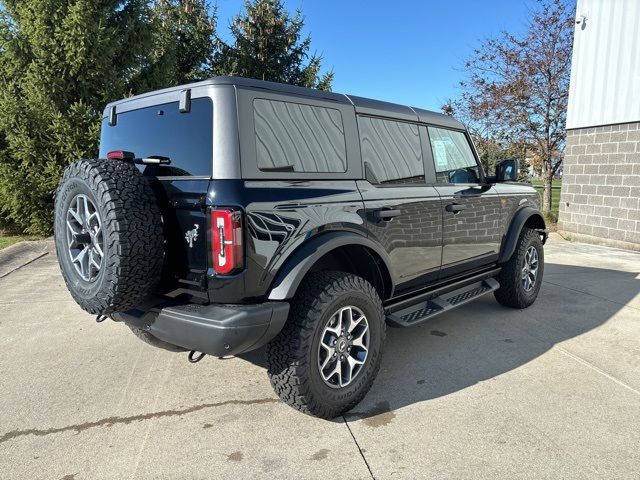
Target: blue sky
pixel 402 51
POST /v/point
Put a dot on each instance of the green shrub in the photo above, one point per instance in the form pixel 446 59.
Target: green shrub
pixel 61 62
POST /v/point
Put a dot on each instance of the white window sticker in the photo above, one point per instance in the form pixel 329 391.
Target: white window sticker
pixel 440 154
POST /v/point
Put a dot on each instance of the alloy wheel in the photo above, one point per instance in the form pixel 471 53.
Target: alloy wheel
pixel 344 346
pixel 85 242
pixel 530 269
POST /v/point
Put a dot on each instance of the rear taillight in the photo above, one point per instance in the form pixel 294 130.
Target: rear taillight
pixel 226 237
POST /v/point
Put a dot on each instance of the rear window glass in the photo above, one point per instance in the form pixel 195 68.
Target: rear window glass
pixel 391 151
pixel 186 138
pixel 291 137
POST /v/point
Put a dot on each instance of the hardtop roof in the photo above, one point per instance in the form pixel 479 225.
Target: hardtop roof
pixel 362 105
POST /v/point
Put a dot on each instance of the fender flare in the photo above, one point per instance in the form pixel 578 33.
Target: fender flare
pixel 299 263
pixel 517 223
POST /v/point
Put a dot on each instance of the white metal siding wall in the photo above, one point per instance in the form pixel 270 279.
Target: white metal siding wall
pixel 605 72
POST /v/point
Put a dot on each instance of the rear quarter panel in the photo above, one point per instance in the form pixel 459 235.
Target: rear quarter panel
pixel 280 215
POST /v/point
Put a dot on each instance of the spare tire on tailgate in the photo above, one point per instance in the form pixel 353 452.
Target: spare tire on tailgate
pixel 108 235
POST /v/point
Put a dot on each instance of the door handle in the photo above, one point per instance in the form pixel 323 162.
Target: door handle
pixel 454 207
pixel 386 214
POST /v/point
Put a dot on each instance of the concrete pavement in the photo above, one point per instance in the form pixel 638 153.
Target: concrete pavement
pixel 481 392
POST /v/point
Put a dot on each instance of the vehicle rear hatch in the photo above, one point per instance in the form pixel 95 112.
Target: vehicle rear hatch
pixel 183 134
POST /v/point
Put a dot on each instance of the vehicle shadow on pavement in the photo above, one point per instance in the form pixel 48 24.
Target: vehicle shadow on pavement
pixel 483 339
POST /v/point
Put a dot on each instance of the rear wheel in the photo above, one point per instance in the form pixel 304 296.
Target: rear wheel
pixel 521 277
pixel 328 354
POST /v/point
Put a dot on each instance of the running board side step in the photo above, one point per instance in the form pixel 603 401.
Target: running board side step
pixel 425 310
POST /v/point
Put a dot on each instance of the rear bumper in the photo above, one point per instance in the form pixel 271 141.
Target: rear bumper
pixel 212 329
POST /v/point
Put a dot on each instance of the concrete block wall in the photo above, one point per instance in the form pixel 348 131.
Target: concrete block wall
pixel 600 198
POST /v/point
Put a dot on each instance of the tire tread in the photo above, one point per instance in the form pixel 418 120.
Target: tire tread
pixel 288 354
pixel 511 294
pixel 135 249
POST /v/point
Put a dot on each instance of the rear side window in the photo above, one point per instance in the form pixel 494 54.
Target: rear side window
pixel 453 157
pixel 292 137
pixel 186 138
pixel 391 151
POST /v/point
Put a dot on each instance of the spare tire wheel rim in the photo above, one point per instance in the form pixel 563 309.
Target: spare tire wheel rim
pixel 85 242
pixel 344 347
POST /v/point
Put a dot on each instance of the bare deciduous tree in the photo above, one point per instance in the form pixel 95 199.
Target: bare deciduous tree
pixel 517 87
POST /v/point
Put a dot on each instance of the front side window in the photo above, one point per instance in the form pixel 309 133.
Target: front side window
pixel 453 157
pixel 391 151
pixel 292 137
pixel 185 138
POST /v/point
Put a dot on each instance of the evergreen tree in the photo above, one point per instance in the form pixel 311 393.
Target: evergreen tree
pixel 61 61
pixel 184 42
pixel 268 45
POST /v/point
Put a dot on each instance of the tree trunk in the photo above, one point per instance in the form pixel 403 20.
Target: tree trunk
pixel 546 194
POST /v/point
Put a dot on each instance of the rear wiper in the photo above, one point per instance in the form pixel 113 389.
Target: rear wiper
pixel 131 157
pixel 153 160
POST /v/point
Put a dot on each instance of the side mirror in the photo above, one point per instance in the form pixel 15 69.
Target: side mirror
pixel 507 170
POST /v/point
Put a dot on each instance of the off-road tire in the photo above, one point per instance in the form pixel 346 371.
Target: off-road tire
pixel 291 356
pixel 149 339
pixel 511 292
pixel 131 229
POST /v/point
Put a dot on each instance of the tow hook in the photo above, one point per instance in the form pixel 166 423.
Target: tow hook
pixel 195 356
pixel 101 318
pixel 544 233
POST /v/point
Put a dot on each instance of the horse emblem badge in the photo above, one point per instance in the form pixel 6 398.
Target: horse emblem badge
pixel 192 235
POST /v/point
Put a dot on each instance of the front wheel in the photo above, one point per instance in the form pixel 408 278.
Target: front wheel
pixel 521 277
pixel 328 354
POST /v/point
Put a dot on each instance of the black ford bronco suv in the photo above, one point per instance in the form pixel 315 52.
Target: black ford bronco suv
pixel 232 213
